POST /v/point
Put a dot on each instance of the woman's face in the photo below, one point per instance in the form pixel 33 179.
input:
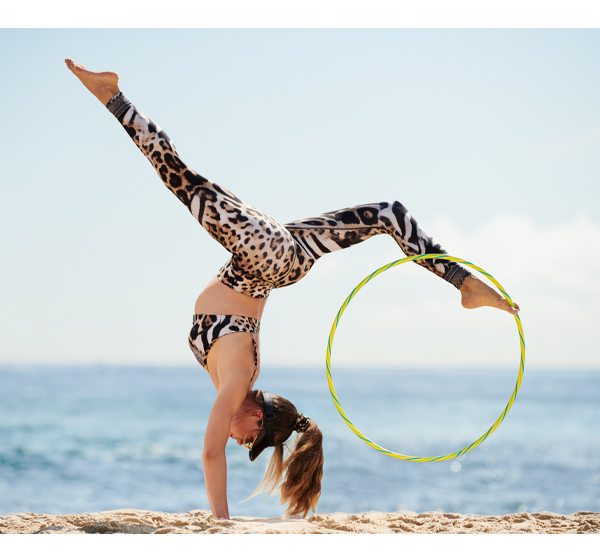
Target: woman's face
pixel 245 426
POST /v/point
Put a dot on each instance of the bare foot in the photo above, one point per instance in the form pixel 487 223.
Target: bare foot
pixel 102 84
pixel 475 293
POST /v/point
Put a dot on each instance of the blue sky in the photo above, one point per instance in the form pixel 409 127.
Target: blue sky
pixel 489 137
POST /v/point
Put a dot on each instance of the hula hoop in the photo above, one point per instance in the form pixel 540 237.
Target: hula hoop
pixel 336 400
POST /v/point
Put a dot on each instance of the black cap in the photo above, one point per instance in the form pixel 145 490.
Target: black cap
pixel 267 435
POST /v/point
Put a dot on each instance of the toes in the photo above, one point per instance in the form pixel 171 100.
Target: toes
pixel 507 307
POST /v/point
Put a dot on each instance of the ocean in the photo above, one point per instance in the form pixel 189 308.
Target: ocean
pixel 89 438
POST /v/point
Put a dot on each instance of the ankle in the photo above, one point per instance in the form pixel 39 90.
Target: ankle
pixel 468 283
pixel 105 94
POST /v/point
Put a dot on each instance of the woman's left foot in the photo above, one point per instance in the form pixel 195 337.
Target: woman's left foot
pixel 475 293
pixel 102 84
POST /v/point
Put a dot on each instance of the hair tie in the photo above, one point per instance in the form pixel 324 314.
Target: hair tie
pixel 302 423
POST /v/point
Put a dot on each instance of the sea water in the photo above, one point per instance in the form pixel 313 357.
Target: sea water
pixel 90 438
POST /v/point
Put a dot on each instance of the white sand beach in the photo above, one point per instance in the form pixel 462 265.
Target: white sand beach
pixel 134 521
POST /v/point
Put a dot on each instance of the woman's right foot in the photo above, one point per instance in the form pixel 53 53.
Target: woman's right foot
pixel 475 293
pixel 103 85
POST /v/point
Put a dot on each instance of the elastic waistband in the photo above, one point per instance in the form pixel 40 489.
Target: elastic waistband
pixel 212 315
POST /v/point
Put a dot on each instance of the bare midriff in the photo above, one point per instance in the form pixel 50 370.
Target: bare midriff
pixel 218 298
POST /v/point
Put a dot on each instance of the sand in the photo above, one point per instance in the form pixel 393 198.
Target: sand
pixel 134 521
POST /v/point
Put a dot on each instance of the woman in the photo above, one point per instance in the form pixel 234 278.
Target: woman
pixel 225 327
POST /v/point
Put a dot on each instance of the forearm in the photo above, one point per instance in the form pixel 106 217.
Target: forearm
pixel 215 479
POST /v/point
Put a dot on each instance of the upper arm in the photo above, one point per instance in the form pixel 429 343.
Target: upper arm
pixel 230 395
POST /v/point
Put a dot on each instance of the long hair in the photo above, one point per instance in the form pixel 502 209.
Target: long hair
pixel 302 469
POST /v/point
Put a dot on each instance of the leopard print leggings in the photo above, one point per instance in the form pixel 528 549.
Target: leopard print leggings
pixel 265 253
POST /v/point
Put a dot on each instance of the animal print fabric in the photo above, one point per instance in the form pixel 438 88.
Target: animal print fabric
pixel 207 328
pixel 265 253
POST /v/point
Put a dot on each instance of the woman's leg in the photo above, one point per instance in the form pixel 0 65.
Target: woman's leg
pixel 260 246
pixel 217 209
pixel 342 228
pixel 262 249
pixel 339 229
